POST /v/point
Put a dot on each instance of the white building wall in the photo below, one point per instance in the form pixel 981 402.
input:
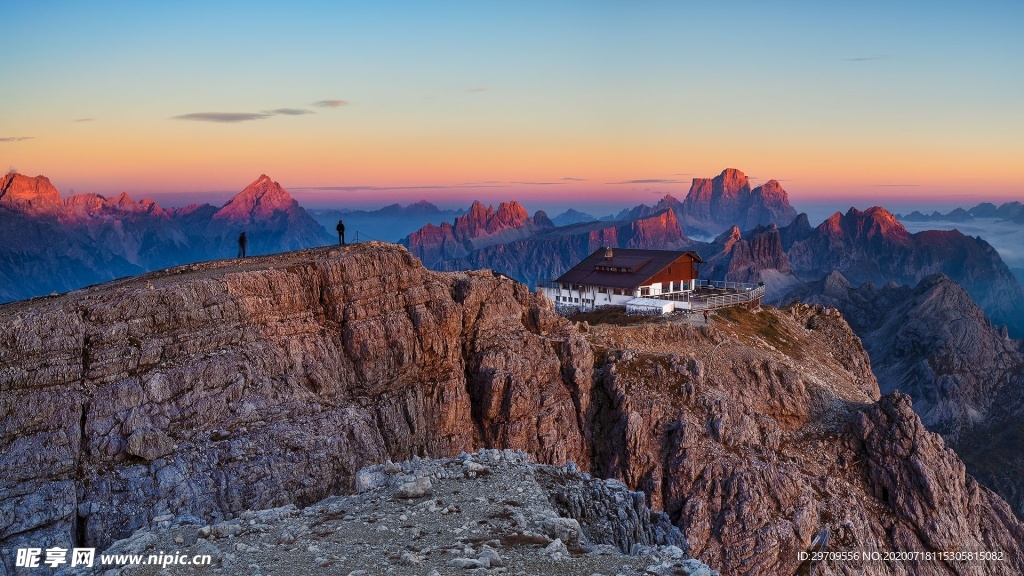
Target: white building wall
pixel 566 296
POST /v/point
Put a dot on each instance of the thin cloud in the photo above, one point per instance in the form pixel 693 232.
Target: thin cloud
pixel 682 174
pixel 388 188
pixel 478 89
pixel 648 181
pixel 16 138
pixel 863 58
pixel 85 120
pixel 290 111
pixel 568 179
pixel 223 117
pixel 539 183
pixel 330 103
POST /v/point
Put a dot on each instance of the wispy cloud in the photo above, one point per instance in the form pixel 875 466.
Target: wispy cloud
pixel 16 138
pixel 649 181
pixel 863 58
pixel 223 117
pixel 539 183
pixel 568 179
pixel 478 89
pixel 290 111
pixel 330 103
pixel 387 188
pixel 85 119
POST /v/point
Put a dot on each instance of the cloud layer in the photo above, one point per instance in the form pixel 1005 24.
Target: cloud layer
pixel 16 138
pixel 223 117
pixel 649 181
pixel 291 111
pixel 330 103
pixel 236 117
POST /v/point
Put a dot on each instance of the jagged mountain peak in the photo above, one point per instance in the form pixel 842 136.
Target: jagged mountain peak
pixel 726 199
pixel 730 236
pixel 873 222
pixel 259 200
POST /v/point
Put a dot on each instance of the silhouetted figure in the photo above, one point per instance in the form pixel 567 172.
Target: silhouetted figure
pixel 705 316
pixel 341 232
pixel 242 241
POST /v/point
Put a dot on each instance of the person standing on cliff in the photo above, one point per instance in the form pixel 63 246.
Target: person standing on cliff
pixel 705 316
pixel 341 232
pixel 242 241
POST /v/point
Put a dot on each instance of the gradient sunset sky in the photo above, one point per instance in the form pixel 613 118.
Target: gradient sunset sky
pixel 551 103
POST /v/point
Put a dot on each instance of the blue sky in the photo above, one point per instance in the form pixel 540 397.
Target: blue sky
pixel 840 101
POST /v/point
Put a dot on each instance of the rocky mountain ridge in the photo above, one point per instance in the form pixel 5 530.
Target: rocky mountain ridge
pixel 548 254
pixel 221 387
pixel 480 227
pixel 872 246
pixel 934 343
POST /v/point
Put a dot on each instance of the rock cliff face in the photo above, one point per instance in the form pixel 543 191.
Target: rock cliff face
pixel 60 245
pixel 932 342
pixel 547 255
pixel 222 386
pixel 755 433
pixel 33 196
pixel 199 392
pixel 481 226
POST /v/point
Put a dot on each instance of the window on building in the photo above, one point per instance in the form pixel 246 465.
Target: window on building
pixel 602 290
pixel 645 291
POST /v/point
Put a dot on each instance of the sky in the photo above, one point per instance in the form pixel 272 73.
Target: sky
pixel 589 104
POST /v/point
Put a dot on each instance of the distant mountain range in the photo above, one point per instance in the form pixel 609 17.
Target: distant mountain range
pixel 573 216
pixel 54 244
pixel 1011 211
pixel 533 249
pixel 482 226
pixel 388 224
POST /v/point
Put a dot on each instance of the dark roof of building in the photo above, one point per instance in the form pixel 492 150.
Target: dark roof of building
pixel 642 265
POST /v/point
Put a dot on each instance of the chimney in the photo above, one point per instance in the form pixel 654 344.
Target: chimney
pixel 608 253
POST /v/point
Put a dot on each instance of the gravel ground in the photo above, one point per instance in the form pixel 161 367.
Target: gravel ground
pixel 491 512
